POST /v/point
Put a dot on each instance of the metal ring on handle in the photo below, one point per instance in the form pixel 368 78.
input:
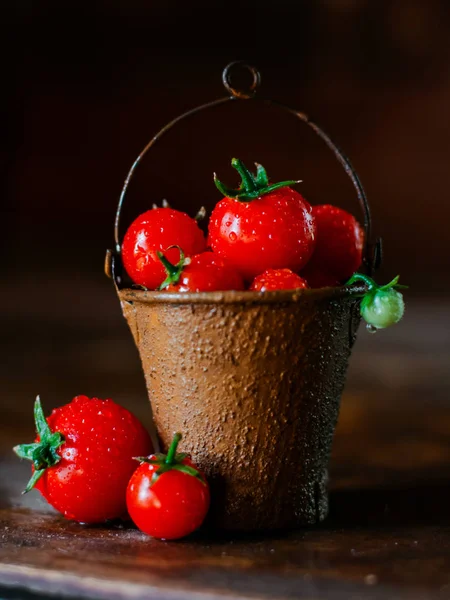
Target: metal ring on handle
pixel 372 253
pixel 241 94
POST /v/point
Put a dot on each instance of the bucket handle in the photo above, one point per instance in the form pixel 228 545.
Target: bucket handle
pixel 373 249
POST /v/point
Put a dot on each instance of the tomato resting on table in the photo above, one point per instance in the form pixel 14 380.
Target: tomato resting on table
pixel 83 457
pixel 152 232
pixel 168 497
pixel 339 247
pixel 260 225
pixel 204 272
pixel 278 279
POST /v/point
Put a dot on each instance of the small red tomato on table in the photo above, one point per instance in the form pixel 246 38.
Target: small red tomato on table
pixel 261 225
pixel 204 272
pixel 152 232
pixel 339 247
pixel 278 279
pixel 168 497
pixel 83 457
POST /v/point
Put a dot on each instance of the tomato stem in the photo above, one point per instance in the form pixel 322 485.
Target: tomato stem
pixel 251 186
pixel 373 286
pixel 364 278
pixel 261 175
pixel 248 182
pixel 173 271
pixel 42 454
pixel 173 460
pixel 171 454
pixel 201 214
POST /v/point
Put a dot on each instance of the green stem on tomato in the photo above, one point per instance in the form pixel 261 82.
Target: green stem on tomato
pixel 170 461
pixel 251 186
pixel 373 286
pixel 364 278
pixel 248 182
pixel 42 454
pixel 173 271
pixel 261 175
pixel 170 458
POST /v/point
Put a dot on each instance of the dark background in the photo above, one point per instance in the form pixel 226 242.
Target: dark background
pixel 85 86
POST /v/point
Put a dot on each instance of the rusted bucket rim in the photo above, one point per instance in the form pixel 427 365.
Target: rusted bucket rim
pixel 234 297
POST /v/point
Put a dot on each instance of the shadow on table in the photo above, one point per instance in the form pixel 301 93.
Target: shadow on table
pixel 421 504
pixel 424 503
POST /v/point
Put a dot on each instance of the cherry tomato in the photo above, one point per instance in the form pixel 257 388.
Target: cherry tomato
pixel 83 457
pixel 339 246
pixel 205 272
pixel 381 306
pixel 153 231
pixel 168 497
pixel 278 279
pixel 261 226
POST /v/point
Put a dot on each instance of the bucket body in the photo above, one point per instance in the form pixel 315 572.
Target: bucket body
pixel 253 382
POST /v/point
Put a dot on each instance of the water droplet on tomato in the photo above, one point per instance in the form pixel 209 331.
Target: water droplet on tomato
pixel 233 236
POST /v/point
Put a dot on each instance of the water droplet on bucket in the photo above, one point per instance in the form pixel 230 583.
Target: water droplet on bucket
pixel 370 328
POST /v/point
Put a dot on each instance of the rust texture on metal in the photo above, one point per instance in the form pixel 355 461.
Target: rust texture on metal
pixel 255 388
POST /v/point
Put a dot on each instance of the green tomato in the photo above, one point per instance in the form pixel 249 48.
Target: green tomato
pixel 382 308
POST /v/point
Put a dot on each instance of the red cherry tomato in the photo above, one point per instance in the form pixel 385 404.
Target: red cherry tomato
pixel 172 504
pixel 83 457
pixel 205 272
pixel 153 231
pixel 269 227
pixel 278 279
pixel 339 246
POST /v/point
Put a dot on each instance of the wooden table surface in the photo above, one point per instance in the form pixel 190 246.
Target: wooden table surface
pixel 387 536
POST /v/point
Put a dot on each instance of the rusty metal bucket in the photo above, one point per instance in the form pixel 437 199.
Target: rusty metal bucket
pixel 253 381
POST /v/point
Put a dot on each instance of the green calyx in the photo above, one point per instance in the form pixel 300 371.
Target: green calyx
pixel 381 306
pixel 173 271
pixel 172 461
pixel 43 453
pixel 251 186
pixel 373 286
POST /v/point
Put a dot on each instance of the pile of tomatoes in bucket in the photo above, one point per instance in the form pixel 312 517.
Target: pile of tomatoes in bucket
pixel 262 236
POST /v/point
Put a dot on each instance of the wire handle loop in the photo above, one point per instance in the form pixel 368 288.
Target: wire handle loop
pixel 234 92
pixel 373 250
